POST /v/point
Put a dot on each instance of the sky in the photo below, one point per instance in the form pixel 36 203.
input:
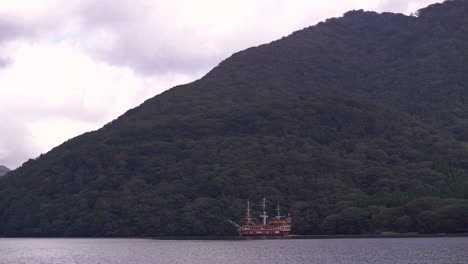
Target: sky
pixel 71 66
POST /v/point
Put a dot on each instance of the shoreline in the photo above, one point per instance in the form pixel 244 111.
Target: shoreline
pixel 411 235
pixel 227 238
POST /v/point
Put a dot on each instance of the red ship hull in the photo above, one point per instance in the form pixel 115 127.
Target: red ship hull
pixel 264 233
pixel 272 228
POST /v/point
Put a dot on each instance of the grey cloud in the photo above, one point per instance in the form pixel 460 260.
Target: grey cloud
pixel 106 12
pixel 404 6
pixel 70 107
pixel 137 34
pixel 161 60
pixel 11 28
pixel 16 142
pixel 141 39
pixel 4 62
pixel 69 110
pixel 394 5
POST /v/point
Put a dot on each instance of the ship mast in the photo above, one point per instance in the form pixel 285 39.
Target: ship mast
pixel 278 215
pixel 247 216
pixel 264 213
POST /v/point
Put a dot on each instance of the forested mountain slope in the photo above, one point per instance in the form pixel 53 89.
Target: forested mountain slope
pixel 355 125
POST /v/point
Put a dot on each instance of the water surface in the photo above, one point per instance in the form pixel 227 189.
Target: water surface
pixel 290 251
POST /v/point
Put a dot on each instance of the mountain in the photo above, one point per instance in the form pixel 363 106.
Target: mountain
pixel 355 125
pixel 3 170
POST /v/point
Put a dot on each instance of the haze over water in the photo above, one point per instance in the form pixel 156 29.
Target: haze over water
pixel 291 251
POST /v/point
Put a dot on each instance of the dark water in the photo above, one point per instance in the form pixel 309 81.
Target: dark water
pixel 290 251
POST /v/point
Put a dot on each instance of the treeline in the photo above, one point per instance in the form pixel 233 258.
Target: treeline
pixel 427 215
pixel 334 162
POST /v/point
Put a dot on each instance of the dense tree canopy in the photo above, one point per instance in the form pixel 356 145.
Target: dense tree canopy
pixel 356 125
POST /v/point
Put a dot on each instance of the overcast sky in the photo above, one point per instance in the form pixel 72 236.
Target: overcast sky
pixel 70 66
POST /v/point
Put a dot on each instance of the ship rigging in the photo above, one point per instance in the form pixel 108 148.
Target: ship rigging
pixel 279 226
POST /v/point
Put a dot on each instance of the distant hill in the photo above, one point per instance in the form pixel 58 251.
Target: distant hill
pixel 356 125
pixel 3 170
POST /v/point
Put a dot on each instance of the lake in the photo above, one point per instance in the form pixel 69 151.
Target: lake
pixel 144 251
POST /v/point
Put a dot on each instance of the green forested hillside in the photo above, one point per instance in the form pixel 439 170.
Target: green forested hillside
pixel 355 125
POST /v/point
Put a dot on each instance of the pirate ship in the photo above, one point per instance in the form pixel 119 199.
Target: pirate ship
pixel 279 226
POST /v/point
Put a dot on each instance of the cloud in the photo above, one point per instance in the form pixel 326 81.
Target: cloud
pixel 152 37
pixel 4 62
pixel 53 92
pixel 67 67
pixel 156 37
pixel 160 36
pixel 404 6
pixel 10 30
pixel 16 141
pixel 394 5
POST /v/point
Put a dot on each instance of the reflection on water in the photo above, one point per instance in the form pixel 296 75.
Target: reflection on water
pixel 324 251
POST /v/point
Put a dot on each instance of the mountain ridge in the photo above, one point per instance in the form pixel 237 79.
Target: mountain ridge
pixel 357 124
pixel 3 170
